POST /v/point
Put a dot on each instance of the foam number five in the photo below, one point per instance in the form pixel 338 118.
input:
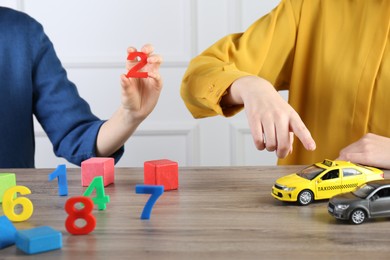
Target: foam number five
pixel 101 199
pixel 155 190
pixel 83 213
pixel 60 173
pixel 134 71
pixel 9 204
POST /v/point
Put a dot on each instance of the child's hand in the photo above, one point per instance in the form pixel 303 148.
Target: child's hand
pixel 140 95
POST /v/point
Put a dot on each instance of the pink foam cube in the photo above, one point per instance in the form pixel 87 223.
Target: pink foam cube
pixel 162 172
pixel 97 166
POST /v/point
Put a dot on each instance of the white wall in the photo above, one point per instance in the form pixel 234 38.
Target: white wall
pixel 91 37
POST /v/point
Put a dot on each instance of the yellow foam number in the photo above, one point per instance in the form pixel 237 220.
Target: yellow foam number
pixel 9 204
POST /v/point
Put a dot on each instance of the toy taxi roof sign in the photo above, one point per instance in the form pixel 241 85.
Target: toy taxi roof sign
pixel 328 163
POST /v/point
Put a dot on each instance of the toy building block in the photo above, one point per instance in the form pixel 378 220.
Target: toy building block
pixel 38 240
pixel 161 172
pixel 7 180
pixel 94 167
pixel 7 232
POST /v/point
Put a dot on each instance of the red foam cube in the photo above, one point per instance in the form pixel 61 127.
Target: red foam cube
pixel 162 172
pixel 97 166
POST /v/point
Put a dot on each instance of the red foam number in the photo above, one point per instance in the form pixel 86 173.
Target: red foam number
pixel 134 71
pixel 84 213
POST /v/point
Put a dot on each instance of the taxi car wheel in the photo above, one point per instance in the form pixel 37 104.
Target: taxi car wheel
pixel 358 216
pixel 305 197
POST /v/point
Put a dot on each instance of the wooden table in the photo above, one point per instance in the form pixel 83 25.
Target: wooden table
pixel 217 213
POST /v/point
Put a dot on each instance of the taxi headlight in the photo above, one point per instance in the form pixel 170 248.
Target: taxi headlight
pixel 342 207
pixel 288 188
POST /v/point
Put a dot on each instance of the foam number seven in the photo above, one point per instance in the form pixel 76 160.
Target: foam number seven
pixel 101 199
pixel 83 213
pixel 134 71
pixel 155 190
pixel 9 204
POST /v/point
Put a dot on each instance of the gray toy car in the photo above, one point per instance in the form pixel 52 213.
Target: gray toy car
pixel 369 200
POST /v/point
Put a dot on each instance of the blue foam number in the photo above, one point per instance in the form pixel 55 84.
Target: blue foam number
pixel 155 190
pixel 60 174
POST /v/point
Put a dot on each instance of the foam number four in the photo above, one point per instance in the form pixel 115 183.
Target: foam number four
pixel 9 204
pixel 155 190
pixel 101 199
pixel 83 213
pixel 60 174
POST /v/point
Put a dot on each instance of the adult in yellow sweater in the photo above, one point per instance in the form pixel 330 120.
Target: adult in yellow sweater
pixel 334 58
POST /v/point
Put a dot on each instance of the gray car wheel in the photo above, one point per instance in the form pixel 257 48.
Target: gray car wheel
pixel 305 197
pixel 358 216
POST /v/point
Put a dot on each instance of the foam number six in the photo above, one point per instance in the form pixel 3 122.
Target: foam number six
pixel 134 71
pixel 9 204
pixel 83 213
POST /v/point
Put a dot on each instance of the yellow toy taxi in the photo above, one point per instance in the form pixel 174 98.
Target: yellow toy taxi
pixel 323 180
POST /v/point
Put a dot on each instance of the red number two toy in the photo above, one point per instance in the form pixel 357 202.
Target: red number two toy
pixel 134 71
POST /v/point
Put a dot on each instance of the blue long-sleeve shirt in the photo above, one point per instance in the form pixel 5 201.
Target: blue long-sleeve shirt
pixel 33 81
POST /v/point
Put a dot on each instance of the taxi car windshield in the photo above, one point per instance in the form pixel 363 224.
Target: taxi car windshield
pixel 363 191
pixel 310 172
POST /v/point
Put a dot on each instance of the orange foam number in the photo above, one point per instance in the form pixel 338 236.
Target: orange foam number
pixel 134 71
pixel 83 213
pixel 9 204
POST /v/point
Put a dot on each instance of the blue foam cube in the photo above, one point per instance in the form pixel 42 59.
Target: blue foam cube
pixel 7 232
pixel 38 240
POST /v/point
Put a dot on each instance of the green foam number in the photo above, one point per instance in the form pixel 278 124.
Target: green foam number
pixel 101 199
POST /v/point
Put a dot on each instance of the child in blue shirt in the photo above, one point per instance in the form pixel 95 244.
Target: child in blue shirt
pixel 33 82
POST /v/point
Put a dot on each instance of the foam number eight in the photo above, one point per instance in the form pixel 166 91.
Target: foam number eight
pixel 9 204
pixel 83 213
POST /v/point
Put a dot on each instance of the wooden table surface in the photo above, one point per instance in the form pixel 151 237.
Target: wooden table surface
pixel 217 213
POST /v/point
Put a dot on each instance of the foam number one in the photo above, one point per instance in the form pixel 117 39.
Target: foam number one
pixel 155 190
pixel 84 213
pixel 60 174
pixel 101 199
pixel 9 204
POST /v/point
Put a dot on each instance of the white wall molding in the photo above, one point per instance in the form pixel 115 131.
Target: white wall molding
pixel 189 131
pixel 238 130
pixel 243 150
pixel 234 15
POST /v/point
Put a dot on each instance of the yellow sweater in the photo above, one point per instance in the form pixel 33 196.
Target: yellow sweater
pixel 332 56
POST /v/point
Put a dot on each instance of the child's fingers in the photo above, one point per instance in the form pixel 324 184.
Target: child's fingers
pixel 155 76
pixel 131 49
pixel 148 49
pixel 125 82
pixel 155 59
